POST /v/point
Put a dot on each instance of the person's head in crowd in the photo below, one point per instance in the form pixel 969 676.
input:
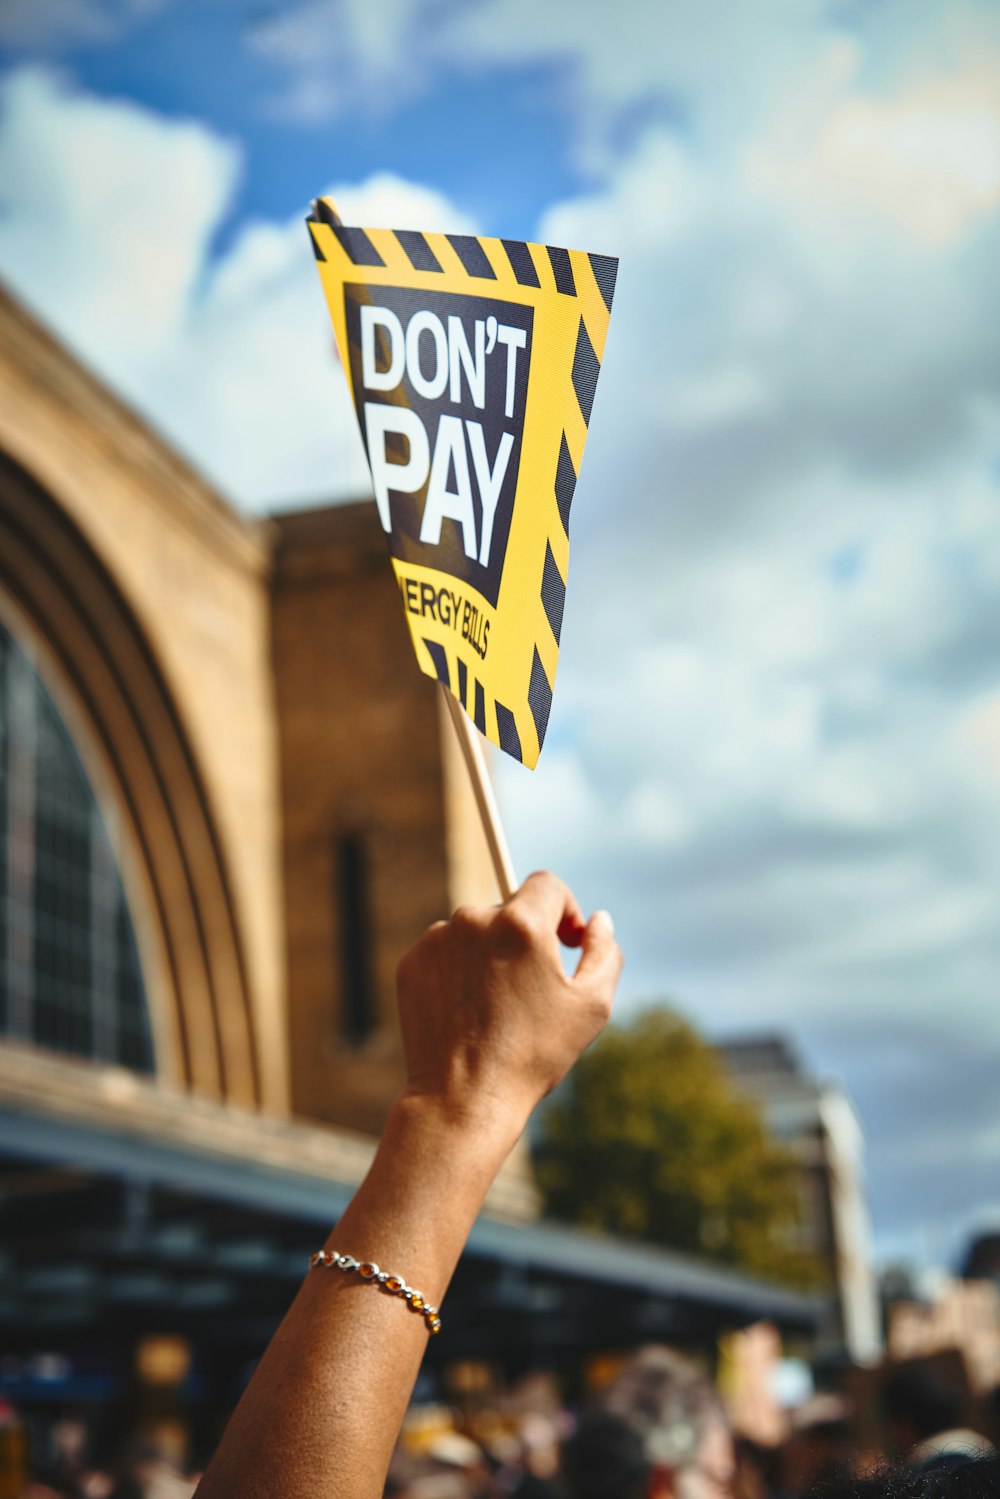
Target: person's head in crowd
pixel 919 1402
pixel 657 1432
pixel 755 1474
pixel 820 1444
pixel 757 1469
pixel 992 1407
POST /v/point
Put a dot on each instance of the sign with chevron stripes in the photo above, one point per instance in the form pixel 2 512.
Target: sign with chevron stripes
pixel 473 363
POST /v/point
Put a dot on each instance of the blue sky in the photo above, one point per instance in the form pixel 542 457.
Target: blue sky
pixel 196 62
pixel 775 743
pixel 210 63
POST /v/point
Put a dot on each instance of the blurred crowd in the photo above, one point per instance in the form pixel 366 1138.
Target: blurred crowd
pixel 651 1425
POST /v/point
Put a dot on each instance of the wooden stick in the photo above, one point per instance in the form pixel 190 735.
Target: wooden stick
pixel 482 787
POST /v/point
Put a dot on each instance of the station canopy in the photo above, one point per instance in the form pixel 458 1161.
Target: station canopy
pixel 129 1211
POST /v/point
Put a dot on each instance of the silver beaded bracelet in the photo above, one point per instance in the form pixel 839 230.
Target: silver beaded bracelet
pixel 393 1285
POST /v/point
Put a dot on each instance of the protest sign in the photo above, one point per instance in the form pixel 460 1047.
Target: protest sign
pixel 473 363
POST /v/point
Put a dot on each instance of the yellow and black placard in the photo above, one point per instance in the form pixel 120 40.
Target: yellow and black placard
pixel 473 364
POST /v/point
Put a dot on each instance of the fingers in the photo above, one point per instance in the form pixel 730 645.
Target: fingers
pixel 544 904
pixel 601 960
pixel 553 904
pixel 571 930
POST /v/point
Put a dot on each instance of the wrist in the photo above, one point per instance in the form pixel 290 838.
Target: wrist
pixel 479 1130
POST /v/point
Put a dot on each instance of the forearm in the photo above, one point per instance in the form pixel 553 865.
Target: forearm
pixel 490 1023
pixel 322 1412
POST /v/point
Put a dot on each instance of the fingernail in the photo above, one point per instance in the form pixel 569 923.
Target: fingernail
pixel 604 917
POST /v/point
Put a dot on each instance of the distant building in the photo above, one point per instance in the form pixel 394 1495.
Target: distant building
pixel 982 1258
pixel 957 1316
pixel 818 1122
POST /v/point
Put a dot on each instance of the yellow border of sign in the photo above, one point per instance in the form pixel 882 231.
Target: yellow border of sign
pixel 569 332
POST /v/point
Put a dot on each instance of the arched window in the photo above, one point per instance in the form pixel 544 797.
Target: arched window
pixel 69 966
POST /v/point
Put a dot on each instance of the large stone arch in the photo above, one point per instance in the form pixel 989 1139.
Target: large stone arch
pixel 109 684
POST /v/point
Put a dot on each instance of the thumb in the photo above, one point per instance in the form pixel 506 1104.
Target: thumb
pixel 601 958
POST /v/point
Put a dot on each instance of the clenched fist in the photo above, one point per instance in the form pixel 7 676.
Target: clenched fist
pixel 491 1022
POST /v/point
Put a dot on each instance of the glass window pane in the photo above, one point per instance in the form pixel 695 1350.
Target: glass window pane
pixel 69 966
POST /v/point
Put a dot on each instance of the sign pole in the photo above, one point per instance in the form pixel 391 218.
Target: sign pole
pixel 482 787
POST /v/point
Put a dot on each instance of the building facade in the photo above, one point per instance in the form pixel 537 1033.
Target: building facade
pixel 270 779
pixel 819 1125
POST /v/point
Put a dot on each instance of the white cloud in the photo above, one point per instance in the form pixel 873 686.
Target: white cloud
pixel 719 398
pixel 926 155
pixel 718 66
pixel 273 420
pixel 712 62
pixel 661 195
pixel 108 217
pixel 50 26
pixel 341 54
pixel 653 816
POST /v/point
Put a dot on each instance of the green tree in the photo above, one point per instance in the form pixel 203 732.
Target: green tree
pixel 647 1139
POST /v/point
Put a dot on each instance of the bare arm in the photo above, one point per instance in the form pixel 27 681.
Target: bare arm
pixel 490 1024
